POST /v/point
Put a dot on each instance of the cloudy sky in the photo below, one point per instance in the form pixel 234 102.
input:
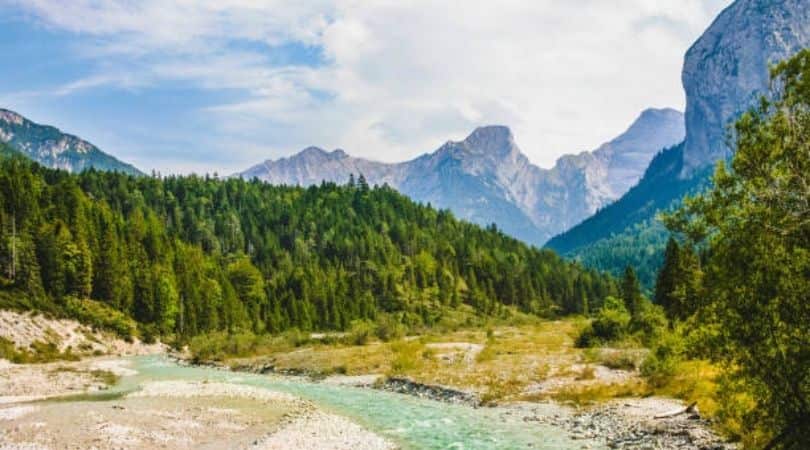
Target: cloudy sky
pixel 218 85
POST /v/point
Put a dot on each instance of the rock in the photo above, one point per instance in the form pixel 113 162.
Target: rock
pixel 726 70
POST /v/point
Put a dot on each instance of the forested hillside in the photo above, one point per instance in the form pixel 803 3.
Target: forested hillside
pixel 188 255
pixel 627 232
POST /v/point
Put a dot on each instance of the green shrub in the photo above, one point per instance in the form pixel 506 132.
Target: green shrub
pixel 389 329
pixel 38 352
pixel 663 359
pixel 360 332
pixel 100 316
pixel 408 356
pixel 217 346
pixel 649 321
pixel 610 324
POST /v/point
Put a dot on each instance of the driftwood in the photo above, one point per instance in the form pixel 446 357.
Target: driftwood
pixel 691 410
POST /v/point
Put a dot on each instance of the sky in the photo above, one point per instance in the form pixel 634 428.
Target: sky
pixel 206 86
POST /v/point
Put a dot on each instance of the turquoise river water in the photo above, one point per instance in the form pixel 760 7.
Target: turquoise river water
pixel 412 423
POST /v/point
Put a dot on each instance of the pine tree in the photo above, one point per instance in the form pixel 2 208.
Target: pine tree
pixel 631 291
pixel 667 281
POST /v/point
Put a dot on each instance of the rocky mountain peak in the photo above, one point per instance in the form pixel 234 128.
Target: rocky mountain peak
pixel 52 148
pixel 485 178
pixel 11 117
pixel 491 140
pixel 727 70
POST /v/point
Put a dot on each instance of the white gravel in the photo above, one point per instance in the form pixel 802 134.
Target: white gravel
pixel 316 430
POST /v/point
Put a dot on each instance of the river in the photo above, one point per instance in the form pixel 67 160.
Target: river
pixel 410 422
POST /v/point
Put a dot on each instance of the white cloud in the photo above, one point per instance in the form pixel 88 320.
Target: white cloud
pixel 400 77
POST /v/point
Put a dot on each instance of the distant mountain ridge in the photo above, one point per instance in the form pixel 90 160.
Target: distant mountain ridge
pixel 52 148
pixel 485 178
pixel 725 73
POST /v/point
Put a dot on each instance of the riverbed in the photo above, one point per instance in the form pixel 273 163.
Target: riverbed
pixel 158 401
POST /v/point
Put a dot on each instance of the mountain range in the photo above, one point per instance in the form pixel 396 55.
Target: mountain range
pixel 486 179
pixel 725 73
pixel 604 199
pixel 52 148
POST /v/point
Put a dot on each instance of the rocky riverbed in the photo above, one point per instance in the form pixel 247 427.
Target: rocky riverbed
pixel 634 423
pixel 630 423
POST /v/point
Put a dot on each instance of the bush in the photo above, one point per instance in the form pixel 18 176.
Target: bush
pixel 100 316
pixel 649 322
pixel 389 329
pixel 359 333
pixel 38 352
pixel 217 346
pixel 408 356
pixel 610 324
pixel 663 359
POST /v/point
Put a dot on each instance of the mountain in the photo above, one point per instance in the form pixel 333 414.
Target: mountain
pixel 627 232
pixel 725 72
pixel 487 179
pixel 52 148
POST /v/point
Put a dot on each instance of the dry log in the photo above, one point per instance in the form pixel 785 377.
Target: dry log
pixel 691 409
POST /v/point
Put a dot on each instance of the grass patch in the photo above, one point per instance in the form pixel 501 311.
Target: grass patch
pixel 105 376
pixel 38 352
pixel 594 393
pixel 501 387
pixel 587 373
pixel 408 356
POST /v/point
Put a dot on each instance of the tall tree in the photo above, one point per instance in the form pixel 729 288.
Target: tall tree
pixel 631 291
pixel 756 224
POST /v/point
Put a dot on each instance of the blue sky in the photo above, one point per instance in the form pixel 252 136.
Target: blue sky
pixel 216 86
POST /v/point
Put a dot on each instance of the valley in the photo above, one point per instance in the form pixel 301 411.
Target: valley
pixel 650 294
pixel 344 402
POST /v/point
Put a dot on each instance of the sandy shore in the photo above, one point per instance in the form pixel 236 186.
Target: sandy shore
pixel 165 414
pixel 27 382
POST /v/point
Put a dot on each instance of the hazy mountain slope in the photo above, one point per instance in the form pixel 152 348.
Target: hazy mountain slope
pixel 52 148
pixel 657 190
pixel 487 179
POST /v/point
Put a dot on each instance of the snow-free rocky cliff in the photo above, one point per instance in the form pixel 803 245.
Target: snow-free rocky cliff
pixel 727 70
pixel 52 148
pixel 725 73
pixel 487 179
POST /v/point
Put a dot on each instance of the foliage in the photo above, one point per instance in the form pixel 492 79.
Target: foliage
pixel 677 288
pixel 193 255
pixel 388 328
pixel 631 291
pixel 101 316
pixel 640 246
pixel 662 361
pixel 648 322
pixel 360 332
pixel 408 356
pixel 610 324
pixel 756 226
pixel 37 352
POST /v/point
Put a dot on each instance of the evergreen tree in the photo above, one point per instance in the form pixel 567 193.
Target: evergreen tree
pixel 631 291
pixel 667 281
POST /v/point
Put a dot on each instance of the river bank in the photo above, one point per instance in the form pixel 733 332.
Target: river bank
pixel 76 410
pixel 91 396
pixel 113 402
pixel 625 423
